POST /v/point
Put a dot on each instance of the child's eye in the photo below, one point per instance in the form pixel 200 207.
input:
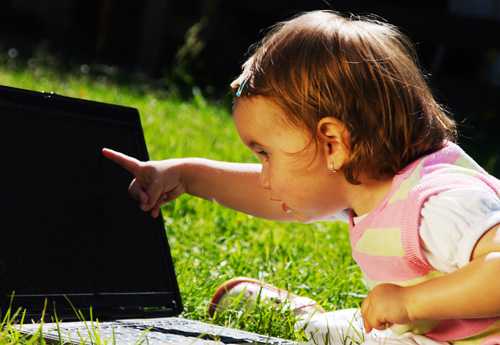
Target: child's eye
pixel 262 154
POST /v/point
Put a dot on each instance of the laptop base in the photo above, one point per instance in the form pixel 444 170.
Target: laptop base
pixel 158 331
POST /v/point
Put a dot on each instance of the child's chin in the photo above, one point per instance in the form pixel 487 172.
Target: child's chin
pixel 303 218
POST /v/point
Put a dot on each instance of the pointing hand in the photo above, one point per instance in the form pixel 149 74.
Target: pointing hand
pixel 155 182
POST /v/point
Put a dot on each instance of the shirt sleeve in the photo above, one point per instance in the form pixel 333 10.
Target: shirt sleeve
pixel 452 223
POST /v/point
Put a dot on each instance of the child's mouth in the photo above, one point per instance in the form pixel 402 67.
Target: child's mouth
pixel 285 208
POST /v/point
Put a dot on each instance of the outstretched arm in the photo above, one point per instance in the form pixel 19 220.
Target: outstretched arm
pixel 235 185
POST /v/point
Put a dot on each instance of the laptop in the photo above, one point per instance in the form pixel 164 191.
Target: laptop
pixel 74 240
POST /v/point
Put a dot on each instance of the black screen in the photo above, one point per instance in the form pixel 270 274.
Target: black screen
pixel 70 227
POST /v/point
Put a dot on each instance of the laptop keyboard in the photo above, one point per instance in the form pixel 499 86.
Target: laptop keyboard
pixel 120 335
pixel 158 331
pixel 203 330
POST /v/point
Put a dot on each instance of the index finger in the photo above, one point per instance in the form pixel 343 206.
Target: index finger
pixel 129 163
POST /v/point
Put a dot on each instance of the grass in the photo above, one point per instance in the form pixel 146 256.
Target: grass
pixel 209 243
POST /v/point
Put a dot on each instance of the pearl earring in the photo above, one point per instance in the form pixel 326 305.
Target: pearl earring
pixel 331 167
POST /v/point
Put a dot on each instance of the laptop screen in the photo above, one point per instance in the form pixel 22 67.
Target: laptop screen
pixel 70 229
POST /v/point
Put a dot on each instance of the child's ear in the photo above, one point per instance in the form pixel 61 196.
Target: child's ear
pixel 334 138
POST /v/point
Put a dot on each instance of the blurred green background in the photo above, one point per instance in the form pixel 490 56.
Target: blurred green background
pixel 200 44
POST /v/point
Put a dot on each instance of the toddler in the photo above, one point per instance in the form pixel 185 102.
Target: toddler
pixel 343 122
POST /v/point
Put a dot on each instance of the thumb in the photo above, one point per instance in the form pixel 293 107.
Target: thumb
pixel 364 314
pixel 367 326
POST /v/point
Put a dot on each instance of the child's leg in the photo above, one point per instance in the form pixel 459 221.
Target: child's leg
pixel 342 327
pixel 338 327
pixel 345 327
pixel 251 290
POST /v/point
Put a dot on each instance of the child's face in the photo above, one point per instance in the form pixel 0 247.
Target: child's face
pixel 293 171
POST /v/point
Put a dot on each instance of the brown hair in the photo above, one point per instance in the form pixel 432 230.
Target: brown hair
pixel 359 70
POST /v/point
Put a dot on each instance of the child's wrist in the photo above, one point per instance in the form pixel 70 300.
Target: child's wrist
pixel 188 169
pixel 412 303
pixel 200 176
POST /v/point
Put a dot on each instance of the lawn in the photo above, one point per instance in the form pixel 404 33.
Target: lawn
pixel 209 243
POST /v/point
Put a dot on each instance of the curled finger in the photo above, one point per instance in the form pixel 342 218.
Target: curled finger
pixel 155 211
pixel 137 193
pixel 169 196
pixel 382 325
pixel 173 193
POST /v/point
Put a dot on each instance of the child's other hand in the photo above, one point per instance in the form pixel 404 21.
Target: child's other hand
pixel 384 306
pixel 155 182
